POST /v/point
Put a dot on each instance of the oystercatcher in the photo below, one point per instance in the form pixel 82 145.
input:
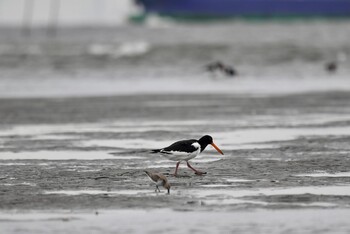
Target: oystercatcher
pixel 186 150
pixel 159 179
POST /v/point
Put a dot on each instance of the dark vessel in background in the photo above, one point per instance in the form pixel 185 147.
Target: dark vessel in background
pixel 207 9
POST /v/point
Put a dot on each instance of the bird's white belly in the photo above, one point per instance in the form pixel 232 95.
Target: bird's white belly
pixel 181 156
pixel 159 183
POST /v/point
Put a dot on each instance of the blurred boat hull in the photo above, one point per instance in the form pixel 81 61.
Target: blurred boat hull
pixel 247 8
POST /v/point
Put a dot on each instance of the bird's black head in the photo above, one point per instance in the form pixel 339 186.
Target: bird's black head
pixel 205 140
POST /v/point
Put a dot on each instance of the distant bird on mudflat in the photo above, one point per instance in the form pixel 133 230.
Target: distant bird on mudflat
pixel 331 67
pixel 185 150
pixel 218 65
pixel 221 67
pixel 230 71
pixel 159 179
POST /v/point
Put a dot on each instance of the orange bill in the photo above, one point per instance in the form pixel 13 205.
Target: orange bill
pixel 217 148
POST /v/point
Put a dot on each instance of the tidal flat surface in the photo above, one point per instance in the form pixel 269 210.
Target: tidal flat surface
pixel 76 164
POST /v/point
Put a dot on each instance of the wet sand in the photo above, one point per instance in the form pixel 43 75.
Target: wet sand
pixel 77 164
pixel 169 221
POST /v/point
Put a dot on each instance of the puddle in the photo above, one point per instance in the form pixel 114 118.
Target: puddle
pixel 324 174
pixel 132 221
pixel 55 137
pixel 216 185
pixel 200 159
pixel 319 204
pixel 233 180
pixel 89 170
pixel 161 166
pixel 127 143
pixel 62 155
pixel 291 120
pixel 233 201
pixel 247 146
pixel 99 192
pixel 155 144
pixel 148 166
pixel 172 164
pixel 262 135
pixel 24 183
pixel 163 123
pixel 231 140
pixel 48 131
pixel 273 159
pixel 343 190
pixel 196 103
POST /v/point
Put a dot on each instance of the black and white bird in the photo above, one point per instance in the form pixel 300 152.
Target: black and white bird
pixel 218 66
pixel 185 150
pixel 159 179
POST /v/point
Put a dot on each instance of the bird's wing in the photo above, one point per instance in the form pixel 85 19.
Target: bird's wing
pixel 162 177
pixel 153 176
pixel 183 146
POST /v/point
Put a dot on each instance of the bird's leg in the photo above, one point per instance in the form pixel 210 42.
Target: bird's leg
pixel 157 189
pixel 195 171
pixel 177 166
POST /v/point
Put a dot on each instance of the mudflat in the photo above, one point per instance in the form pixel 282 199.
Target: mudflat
pixel 77 163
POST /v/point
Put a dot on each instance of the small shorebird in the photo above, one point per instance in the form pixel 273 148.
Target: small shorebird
pixel 186 150
pixel 159 179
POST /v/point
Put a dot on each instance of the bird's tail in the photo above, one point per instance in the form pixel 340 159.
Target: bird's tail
pixel 155 151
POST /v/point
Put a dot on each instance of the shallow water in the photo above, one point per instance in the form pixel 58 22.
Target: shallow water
pixel 130 59
pixel 324 174
pixel 261 221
